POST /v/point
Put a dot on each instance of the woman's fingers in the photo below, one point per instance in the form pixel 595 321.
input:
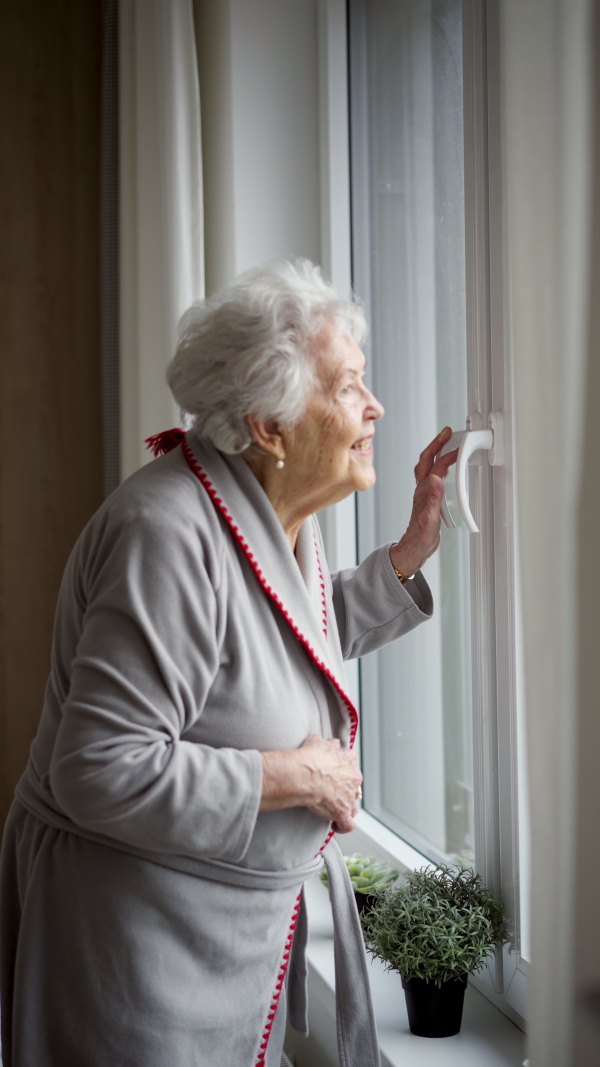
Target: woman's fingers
pixel 427 457
pixel 319 775
pixel 422 537
pixel 335 778
pixel 344 826
pixel 443 464
pixel 344 822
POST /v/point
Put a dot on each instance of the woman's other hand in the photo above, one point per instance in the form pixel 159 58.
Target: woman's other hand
pixel 423 534
pixel 320 775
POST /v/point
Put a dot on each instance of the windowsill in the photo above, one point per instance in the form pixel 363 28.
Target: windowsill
pixel 371 834
pixel 372 838
pixel 487 1036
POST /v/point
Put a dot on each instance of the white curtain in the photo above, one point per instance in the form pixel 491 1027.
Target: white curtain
pixel 161 216
pixel 547 98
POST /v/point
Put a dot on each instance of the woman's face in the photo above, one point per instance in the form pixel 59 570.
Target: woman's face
pixel 330 451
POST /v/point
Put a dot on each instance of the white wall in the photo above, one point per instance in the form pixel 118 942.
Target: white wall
pixel 258 66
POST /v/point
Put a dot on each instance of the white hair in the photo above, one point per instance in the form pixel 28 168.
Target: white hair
pixel 248 350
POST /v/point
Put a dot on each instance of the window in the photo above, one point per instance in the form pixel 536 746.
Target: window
pixel 442 710
pixel 409 264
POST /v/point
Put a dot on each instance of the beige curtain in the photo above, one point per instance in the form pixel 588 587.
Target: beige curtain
pixel 161 215
pixel 547 100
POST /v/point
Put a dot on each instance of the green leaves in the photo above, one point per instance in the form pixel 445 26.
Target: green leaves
pixel 442 924
pixel 367 874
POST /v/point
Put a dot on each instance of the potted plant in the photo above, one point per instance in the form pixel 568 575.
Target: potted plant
pixel 368 876
pixel 434 931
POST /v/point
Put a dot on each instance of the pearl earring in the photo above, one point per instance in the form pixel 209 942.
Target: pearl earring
pixel 280 464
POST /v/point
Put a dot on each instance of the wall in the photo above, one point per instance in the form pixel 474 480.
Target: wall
pixel 260 132
pixel 50 417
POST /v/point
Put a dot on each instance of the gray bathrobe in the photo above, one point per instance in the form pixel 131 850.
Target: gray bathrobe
pixel 148 908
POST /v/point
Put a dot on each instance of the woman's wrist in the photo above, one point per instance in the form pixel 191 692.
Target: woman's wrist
pixel 286 782
pixel 405 560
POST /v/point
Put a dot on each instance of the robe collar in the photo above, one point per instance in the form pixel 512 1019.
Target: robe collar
pixel 295 585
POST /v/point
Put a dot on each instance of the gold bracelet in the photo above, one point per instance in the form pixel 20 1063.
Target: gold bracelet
pixel 404 578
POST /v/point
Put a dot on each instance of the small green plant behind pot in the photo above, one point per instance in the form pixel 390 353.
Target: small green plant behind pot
pixel 437 928
pixel 368 876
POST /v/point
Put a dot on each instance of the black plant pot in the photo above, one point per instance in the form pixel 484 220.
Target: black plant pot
pixel 434 1011
pixel 364 901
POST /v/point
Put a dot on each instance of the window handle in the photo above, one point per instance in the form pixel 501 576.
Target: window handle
pixel 454 442
pixel 469 442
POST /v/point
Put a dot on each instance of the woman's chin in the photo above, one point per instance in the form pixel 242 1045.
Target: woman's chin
pixel 360 485
pixel 363 473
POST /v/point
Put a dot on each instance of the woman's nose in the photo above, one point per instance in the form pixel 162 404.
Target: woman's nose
pixel 375 407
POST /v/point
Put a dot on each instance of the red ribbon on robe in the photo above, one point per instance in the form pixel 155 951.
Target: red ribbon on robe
pixel 164 442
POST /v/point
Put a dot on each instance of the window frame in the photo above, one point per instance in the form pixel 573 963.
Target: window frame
pixel 494 568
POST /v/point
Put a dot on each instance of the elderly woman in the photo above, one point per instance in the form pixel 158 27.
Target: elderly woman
pixel 195 748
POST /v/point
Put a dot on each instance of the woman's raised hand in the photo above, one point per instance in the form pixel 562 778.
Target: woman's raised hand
pixel 320 775
pixel 423 534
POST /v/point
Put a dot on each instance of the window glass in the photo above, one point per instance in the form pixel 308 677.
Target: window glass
pixel 409 268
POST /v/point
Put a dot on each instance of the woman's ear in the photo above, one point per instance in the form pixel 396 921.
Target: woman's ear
pixel 267 436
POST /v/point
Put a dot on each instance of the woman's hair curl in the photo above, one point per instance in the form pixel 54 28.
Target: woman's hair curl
pixel 247 350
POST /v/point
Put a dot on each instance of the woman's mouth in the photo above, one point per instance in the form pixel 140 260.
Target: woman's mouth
pixel 364 445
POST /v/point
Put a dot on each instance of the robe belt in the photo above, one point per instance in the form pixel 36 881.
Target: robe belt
pixel 358 1045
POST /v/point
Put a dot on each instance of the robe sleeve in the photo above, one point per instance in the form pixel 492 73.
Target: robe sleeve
pixel 373 608
pixel 147 654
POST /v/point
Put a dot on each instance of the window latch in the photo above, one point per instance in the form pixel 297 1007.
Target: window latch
pixel 468 442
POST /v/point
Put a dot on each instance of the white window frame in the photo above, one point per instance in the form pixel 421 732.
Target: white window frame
pixel 494 569
pixel 496 680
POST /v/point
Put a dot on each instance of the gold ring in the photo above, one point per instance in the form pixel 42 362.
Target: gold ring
pixel 359 793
